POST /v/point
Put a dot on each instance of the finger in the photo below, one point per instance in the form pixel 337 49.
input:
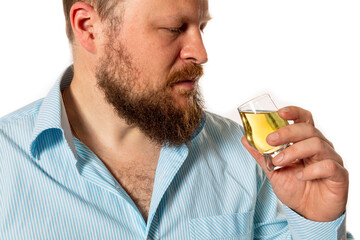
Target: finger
pixel 314 148
pixel 326 169
pixel 256 155
pixel 297 114
pixel 295 133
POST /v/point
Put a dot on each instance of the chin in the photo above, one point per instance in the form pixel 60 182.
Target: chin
pixel 183 102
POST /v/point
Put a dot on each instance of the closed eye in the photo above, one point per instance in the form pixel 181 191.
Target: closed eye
pixel 178 30
pixel 174 30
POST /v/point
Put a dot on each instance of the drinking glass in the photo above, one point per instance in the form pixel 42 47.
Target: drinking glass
pixel 260 117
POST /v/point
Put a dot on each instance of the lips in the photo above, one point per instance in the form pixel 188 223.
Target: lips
pixel 187 81
pixel 186 78
pixel 188 84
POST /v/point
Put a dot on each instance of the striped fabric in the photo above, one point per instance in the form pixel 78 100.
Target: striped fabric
pixel 53 187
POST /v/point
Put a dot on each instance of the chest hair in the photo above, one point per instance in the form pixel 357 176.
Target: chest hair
pixel 138 182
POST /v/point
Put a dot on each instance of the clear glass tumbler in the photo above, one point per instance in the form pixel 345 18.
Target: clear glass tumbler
pixel 260 117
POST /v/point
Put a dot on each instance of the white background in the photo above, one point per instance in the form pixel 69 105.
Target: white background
pixel 304 53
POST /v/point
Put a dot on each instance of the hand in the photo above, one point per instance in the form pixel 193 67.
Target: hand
pixel 313 181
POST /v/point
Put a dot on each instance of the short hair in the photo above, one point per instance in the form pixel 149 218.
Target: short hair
pixel 104 8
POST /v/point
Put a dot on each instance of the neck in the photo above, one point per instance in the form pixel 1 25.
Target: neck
pixel 96 124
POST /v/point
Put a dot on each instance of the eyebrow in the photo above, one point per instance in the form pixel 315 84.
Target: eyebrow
pixel 208 17
pixel 205 18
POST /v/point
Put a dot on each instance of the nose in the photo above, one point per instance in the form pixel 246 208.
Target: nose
pixel 194 49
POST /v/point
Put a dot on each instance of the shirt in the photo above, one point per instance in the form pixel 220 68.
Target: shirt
pixel 52 186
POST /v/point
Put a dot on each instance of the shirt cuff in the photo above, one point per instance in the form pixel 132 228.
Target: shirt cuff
pixel 302 228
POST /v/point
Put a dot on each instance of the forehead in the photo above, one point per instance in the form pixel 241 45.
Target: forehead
pixel 189 9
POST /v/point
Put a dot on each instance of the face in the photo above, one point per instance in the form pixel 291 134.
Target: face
pixel 149 69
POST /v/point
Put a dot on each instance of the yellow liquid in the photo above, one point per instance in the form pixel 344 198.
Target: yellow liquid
pixel 258 126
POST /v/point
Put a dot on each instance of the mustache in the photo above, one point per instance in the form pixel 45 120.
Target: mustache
pixel 190 72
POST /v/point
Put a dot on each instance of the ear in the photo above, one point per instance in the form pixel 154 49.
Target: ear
pixel 83 19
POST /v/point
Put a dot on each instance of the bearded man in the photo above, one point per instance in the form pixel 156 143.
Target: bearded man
pixel 121 147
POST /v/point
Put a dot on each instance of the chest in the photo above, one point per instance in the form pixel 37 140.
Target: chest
pixel 138 182
pixel 199 200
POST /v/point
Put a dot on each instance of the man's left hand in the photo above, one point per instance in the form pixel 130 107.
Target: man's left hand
pixel 312 181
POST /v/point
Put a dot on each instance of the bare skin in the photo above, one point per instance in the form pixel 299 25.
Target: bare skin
pixel 127 152
pixel 138 182
pixel 134 170
pixel 169 33
pixel 316 186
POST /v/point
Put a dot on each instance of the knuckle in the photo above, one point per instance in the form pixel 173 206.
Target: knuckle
pixel 310 130
pixel 330 166
pixel 340 161
pixel 291 151
pixel 309 115
pixel 346 172
pixel 318 142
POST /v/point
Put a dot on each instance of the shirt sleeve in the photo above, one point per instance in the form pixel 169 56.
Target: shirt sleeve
pixel 302 228
pixel 274 220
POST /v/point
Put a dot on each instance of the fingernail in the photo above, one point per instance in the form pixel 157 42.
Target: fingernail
pixel 299 175
pixel 273 136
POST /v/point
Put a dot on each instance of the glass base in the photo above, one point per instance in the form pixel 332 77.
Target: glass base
pixel 269 157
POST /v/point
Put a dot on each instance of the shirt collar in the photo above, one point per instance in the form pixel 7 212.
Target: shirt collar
pixel 200 128
pixel 52 115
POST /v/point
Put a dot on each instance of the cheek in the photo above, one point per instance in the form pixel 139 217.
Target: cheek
pixel 155 57
pixel 159 63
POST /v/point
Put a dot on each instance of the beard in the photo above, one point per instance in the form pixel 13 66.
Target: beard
pixel 153 110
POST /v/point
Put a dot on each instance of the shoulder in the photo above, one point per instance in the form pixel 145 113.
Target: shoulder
pixel 219 145
pixel 219 133
pixel 19 122
pixel 21 114
pixel 222 127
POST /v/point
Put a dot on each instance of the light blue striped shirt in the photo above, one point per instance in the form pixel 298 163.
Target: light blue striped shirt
pixel 53 187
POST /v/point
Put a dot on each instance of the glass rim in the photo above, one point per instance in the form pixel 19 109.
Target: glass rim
pixel 255 99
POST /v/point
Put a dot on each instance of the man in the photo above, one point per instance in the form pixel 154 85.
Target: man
pixel 121 148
